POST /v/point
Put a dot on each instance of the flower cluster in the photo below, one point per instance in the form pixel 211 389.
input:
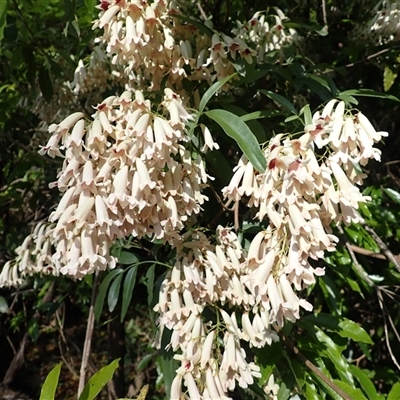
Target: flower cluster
pixel 126 173
pixel 210 275
pixel 266 33
pixel 152 43
pixel 300 195
pixel 33 256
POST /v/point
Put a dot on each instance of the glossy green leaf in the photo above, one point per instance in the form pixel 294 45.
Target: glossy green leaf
pixel 355 394
pixel 327 348
pixel 98 381
pixel 342 326
pixel 3 305
pixel 113 293
pixel 240 132
pixel 366 385
pixel 394 393
pixel 368 93
pixel 103 288
pixel 127 258
pixel 285 103
pixel 212 90
pixel 310 391
pixel 49 387
pixel 127 292
pixel 3 18
pixel 393 195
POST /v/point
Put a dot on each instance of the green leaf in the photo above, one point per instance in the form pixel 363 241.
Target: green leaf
pixel 113 294
pixel 127 258
pixel 45 83
pixel 307 114
pixel 394 393
pixel 98 381
pixel 150 283
pixel 3 305
pixel 144 361
pixel 260 114
pixel 355 394
pixel 241 133
pixel 342 326
pixel 326 347
pixel 129 285
pixel 3 18
pixel 279 99
pixel 393 195
pixel 331 294
pixel 90 6
pixel 388 78
pixel 212 90
pixel 101 295
pixel 368 93
pixel 365 383
pixel 49 387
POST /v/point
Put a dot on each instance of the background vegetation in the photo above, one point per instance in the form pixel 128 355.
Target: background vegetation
pixel 44 320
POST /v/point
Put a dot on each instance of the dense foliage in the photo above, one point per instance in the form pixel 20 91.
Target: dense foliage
pixel 200 190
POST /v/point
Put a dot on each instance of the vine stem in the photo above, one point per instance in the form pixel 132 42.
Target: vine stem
pixel 88 337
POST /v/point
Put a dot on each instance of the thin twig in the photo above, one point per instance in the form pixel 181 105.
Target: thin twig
pixel 389 255
pixel 203 14
pixel 381 305
pixel 357 265
pixel 88 336
pixel 324 13
pixel 365 252
pixel 315 369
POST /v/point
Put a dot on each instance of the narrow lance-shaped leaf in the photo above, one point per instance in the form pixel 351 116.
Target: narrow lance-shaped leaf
pixel 367 93
pixel 212 90
pixel 127 292
pixel 49 387
pixel 98 381
pixel 113 294
pixel 101 295
pixel 279 99
pixel 241 133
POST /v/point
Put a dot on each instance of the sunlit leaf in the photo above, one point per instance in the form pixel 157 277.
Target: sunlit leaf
pixel 49 387
pixel 241 133
pixel 98 381
pixel 212 90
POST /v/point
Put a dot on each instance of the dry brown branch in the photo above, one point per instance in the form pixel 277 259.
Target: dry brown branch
pixel 88 337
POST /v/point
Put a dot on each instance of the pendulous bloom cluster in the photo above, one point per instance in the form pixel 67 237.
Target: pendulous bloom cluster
pixel 300 195
pixel 126 173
